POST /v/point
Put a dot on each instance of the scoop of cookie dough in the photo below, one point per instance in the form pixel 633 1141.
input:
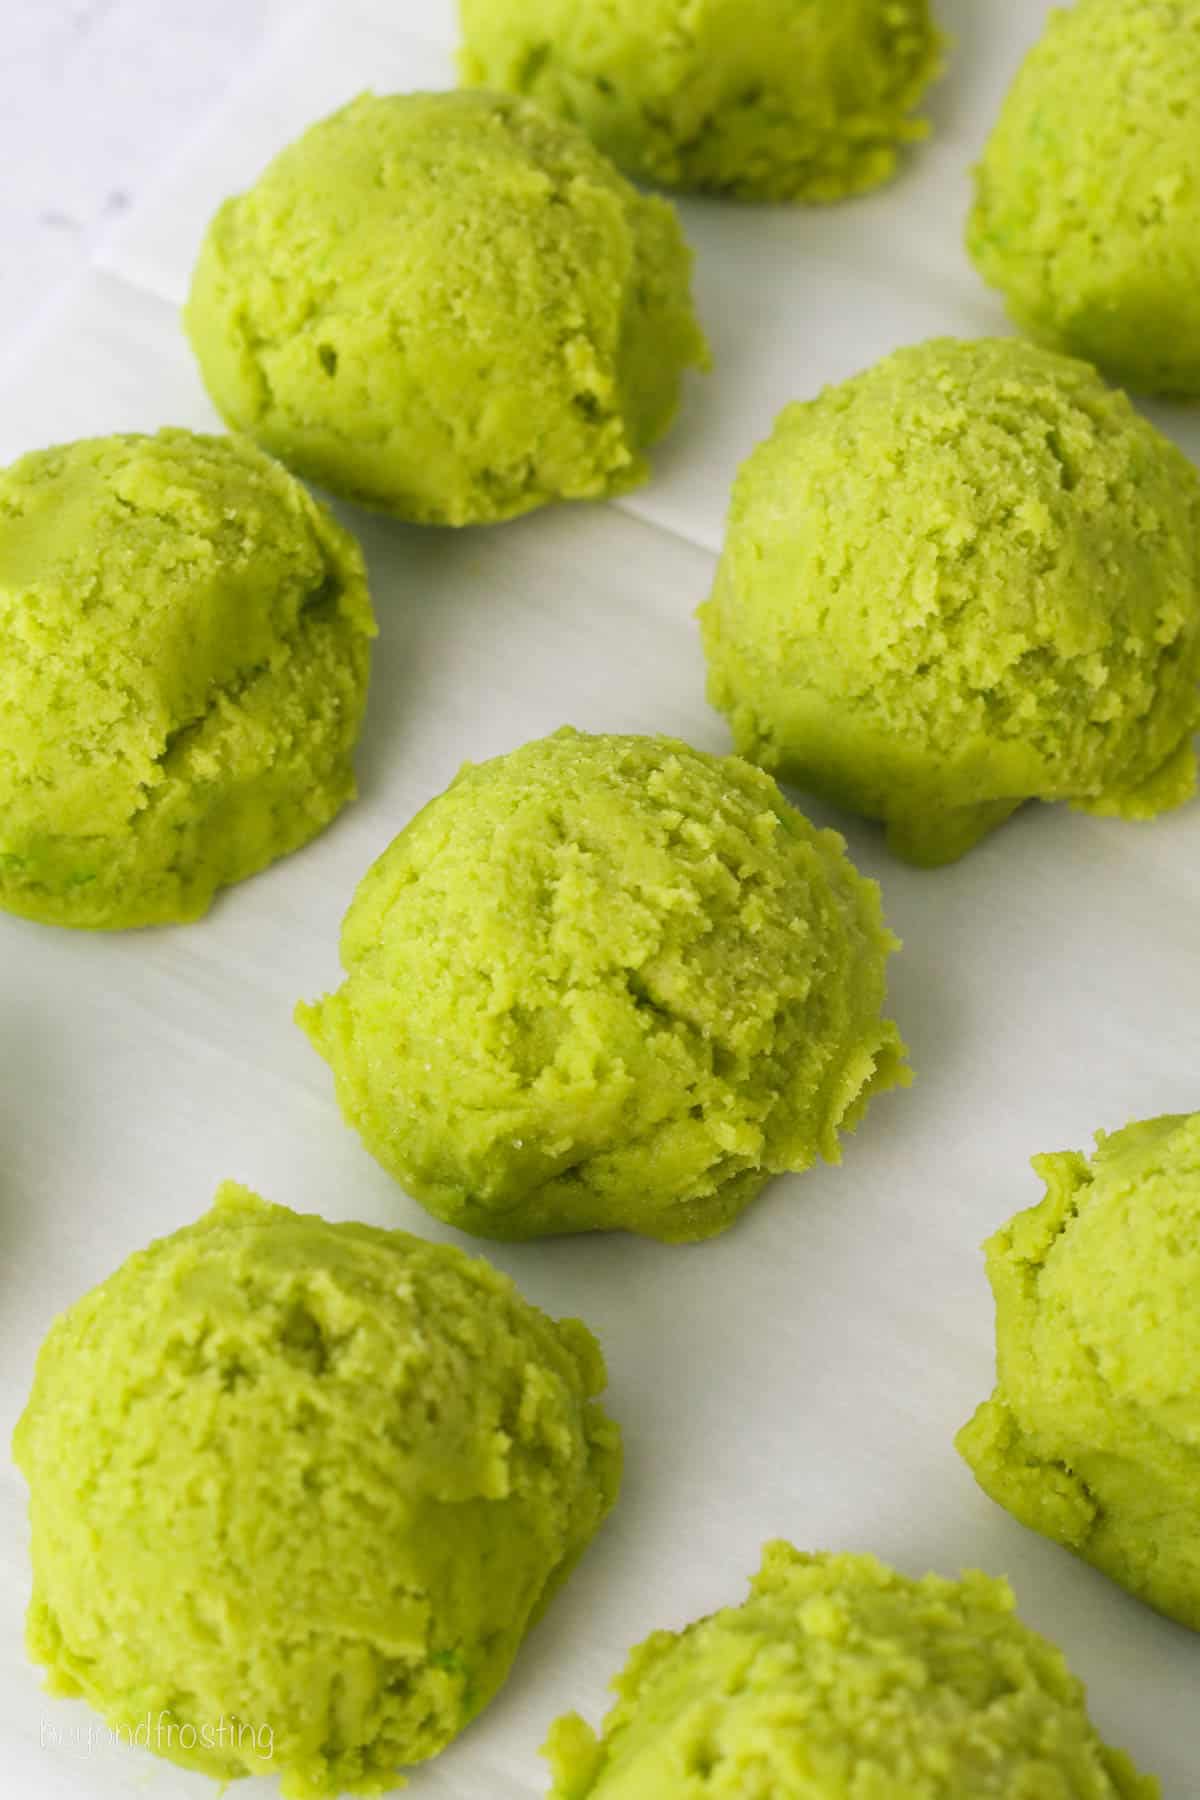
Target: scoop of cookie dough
pixel 298 1489
pixel 964 579
pixel 607 982
pixel 840 1678
pixel 1087 200
pixel 449 307
pixel 762 99
pixel 184 647
pixel 1091 1434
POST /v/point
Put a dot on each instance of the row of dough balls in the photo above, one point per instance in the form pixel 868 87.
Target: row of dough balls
pixel 334 1473
pixel 967 578
pixel 453 308
pixel 1087 199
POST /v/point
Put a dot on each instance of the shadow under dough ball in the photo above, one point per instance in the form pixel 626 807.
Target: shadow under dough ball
pixel 607 982
pixel 449 307
pixel 1091 1434
pixel 1087 198
pixel 966 578
pixel 184 649
pixel 760 99
pixel 840 1678
pixel 299 1489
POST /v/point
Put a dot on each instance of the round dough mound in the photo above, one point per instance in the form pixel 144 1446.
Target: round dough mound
pixel 1087 209
pixel 839 1677
pixel 607 982
pixel 184 648
pixel 762 99
pixel 448 307
pixel 1091 1434
pixel 297 1491
pixel 967 578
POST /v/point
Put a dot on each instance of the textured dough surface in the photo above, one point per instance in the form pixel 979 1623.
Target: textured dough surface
pixel 966 578
pixel 1092 1435
pixel 313 1479
pixel 761 99
pixel 184 648
pixel 449 307
pixel 607 982
pixel 1087 199
pixel 839 1679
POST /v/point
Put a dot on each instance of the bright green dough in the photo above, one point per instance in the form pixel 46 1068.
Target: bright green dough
pixel 839 1679
pixel 449 307
pixel 1092 1436
pixel 607 982
pixel 184 647
pixel 966 578
pixel 314 1479
pixel 1087 200
pixel 762 99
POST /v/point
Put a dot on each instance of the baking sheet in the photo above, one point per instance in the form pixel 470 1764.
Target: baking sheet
pixel 803 1375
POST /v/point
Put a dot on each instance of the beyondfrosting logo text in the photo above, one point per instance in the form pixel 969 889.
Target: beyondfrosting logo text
pixel 160 1732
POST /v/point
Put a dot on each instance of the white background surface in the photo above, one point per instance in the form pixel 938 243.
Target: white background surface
pixel 804 1375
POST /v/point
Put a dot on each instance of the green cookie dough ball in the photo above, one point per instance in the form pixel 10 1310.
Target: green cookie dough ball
pixel 967 578
pixel 763 99
pixel 1091 1434
pixel 607 982
pixel 840 1680
pixel 1087 207
pixel 184 646
pixel 449 307
pixel 297 1491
